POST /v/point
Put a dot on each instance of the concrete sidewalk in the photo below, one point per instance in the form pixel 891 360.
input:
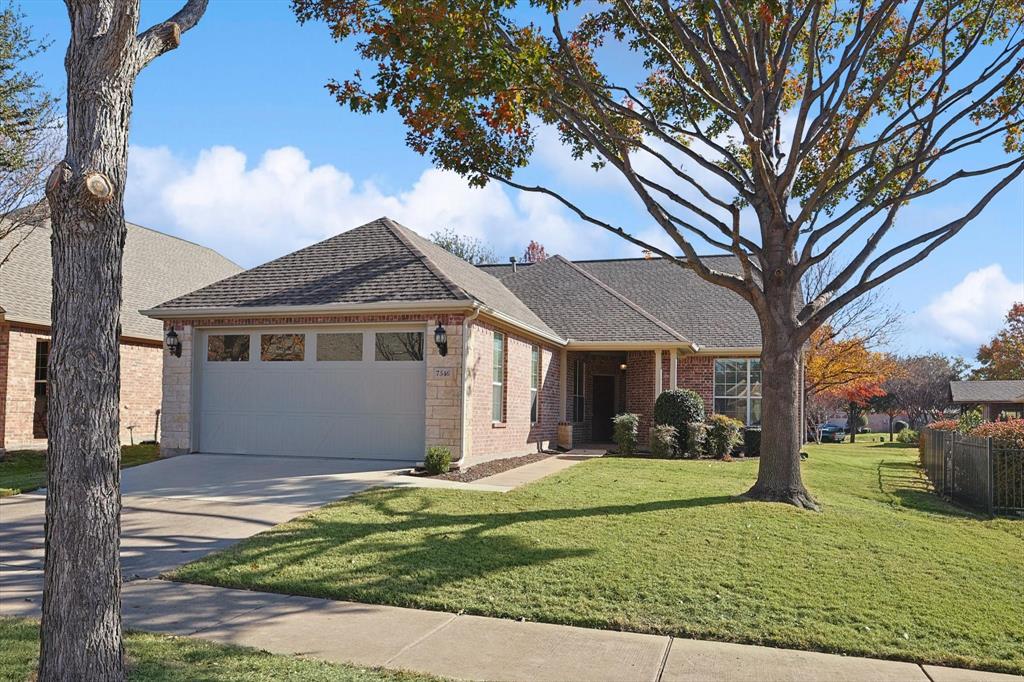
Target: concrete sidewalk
pixel 477 648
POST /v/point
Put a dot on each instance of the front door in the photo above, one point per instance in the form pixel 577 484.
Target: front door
pixel 604 408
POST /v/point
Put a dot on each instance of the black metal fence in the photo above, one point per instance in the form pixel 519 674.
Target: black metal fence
pixel 974 471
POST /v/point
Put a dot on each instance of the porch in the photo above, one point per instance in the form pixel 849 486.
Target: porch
pixel 600 384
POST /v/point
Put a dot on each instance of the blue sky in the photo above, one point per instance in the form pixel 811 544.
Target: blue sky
pixel 237 145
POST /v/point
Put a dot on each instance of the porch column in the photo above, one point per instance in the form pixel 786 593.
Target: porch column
pixel 563 372
pixel 657 373
pixel 673 370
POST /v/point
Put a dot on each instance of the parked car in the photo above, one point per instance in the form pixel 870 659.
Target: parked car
pixel 831 433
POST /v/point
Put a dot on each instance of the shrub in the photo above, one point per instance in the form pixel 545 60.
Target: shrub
pixel 1008 434
pixel 969 421
pixel 625 432
pixel 906 436
pixel 944 425
pixel 679 407
pixel 665 442
pixel 723 435
pixel 861 420
pixel 899 425
pixel 438 460
pixel 696 435
pixel 752 441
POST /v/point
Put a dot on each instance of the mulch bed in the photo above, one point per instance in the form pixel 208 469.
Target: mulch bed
pixel 495 466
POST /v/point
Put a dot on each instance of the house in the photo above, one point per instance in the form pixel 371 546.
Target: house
pixel 156 267
pixel 376 343
pixel 995 399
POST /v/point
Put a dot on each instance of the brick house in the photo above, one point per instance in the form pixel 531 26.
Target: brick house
pixel 332 351
pixel 156 267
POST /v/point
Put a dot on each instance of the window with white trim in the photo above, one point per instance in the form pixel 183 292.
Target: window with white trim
pixel 498 379
pixel 534 383
pixel 738 389
pixel 578 382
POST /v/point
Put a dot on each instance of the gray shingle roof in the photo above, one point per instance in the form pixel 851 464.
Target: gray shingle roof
pixel 378 262
pixel 581 308
pixel 702 312
pixel 156 267
pixel 1004 391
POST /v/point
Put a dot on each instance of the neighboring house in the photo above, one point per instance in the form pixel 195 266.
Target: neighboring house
pixel 156 267
pixel 330 351
pixel 996 399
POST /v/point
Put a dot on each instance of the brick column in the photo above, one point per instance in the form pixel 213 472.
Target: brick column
pixel 444 389
pixel 176 411
pixel 640 390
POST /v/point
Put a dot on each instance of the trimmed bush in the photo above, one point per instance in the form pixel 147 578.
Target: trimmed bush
pixel 626 428
pixel 679 407
pixel 969 421
pixel 752 441
pixel 723 435
pixel 664 442
pixel 907 436
pixel 696 434
pixel 1008 434
pixel 944 425
pixel 899 425
pixel 438 460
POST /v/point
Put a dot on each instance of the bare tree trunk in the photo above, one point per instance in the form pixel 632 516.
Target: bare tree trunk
pixel 82 577
pixel 778 473
pixel 81 620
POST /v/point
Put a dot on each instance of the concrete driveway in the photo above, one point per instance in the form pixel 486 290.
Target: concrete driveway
pixel 179 509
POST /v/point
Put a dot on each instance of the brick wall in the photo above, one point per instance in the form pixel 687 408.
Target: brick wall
pixel 443 381
pixel 5 332
pixel 516 435
pixel 640 390
pixel 697 373
pixel 141 368
pixel 140 387
pixel 20 394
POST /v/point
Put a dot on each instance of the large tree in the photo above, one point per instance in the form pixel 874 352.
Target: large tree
pixel 921 387
pixel 781 132
pixel 1003 356
pixel 28 133
pixel 81 622
pixel 469 249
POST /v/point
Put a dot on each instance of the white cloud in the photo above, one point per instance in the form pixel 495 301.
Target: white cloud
pixel 254 212
pixel 971 312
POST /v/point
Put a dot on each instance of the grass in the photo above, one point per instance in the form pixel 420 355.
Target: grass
pixel 25 470
pixel 181 659
pixel 886 570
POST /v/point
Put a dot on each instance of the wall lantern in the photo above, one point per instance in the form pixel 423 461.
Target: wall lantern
pixel 441 339
pixel 173 344
pixel 623 367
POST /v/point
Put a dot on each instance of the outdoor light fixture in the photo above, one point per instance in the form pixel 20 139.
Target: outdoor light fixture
pixel 623 367
pixel 173 344
pixel 441 339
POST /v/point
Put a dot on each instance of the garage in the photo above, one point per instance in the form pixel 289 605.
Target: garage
pixel 344 392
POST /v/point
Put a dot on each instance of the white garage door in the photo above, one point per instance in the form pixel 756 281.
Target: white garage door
pixel 338 392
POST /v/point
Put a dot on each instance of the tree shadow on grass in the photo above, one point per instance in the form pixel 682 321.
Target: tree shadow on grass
pixel 906 483
pixel 414 553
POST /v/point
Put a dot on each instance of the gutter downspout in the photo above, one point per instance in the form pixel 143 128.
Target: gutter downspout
pixel 463 431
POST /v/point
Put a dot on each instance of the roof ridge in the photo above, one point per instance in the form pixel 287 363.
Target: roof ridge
pixel 399 232
pixel 622 298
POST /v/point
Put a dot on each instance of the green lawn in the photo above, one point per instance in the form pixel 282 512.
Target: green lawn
pixel 885 570
pixel 181 659
pixel 24 470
